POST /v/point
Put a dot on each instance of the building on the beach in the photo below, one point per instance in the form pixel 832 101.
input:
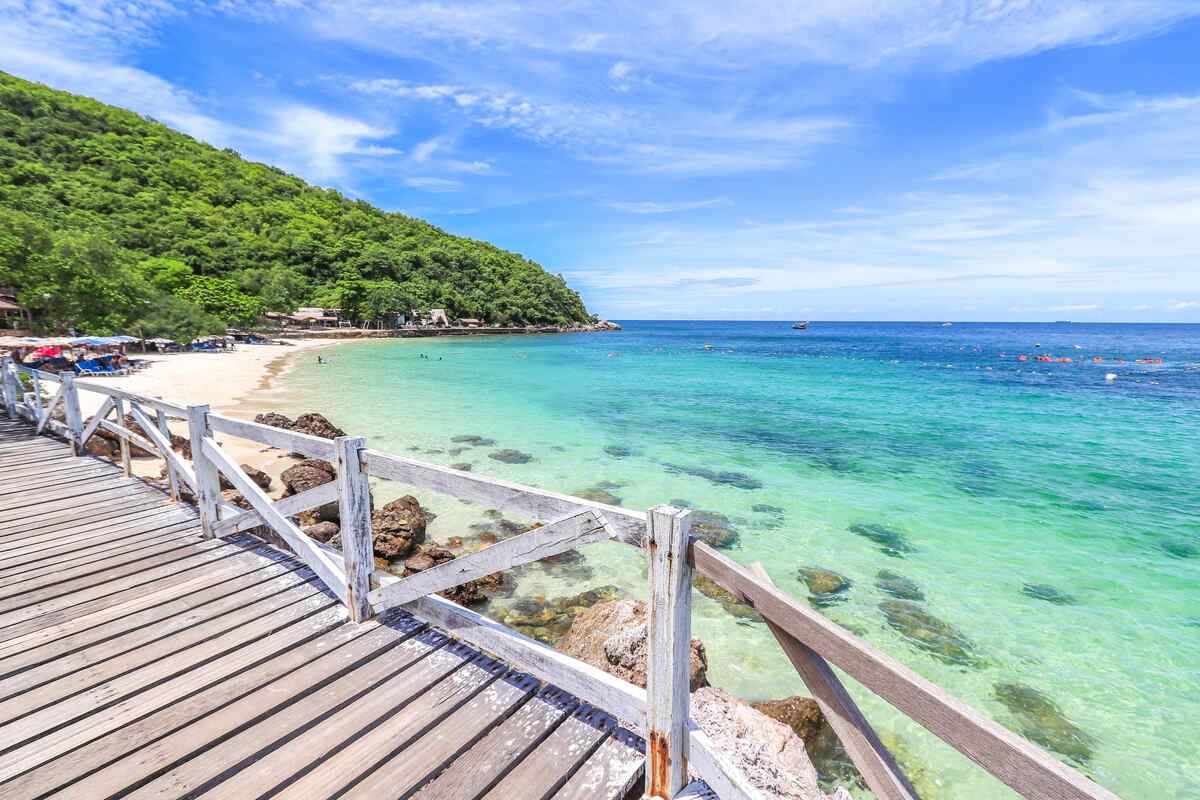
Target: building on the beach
pixel 437 316
pixel 468 322
pixel 13 315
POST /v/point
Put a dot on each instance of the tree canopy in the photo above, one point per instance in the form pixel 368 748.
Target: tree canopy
pixel 104 213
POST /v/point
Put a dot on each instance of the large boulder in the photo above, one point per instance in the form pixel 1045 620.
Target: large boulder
pixel 322 531
pixel 309 474
pixel 315 424
pixel 262 479
pixel 801 714
pixel 274 419
pixel 397 528
pixel 769 752
pixel 612 635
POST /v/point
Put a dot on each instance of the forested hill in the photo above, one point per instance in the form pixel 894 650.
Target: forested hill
pixel 108 219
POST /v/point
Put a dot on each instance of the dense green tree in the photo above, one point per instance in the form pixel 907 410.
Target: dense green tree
pixel 140 211
pixel 174 318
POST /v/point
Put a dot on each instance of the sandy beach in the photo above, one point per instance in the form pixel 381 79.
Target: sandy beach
pixel 239 383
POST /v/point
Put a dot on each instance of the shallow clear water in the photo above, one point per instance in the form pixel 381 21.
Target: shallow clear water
pixel 982 473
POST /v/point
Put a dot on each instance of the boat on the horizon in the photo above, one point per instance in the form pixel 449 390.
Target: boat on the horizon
pixel 799 326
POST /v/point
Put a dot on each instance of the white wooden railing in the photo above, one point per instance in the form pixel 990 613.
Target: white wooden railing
pixel 675 746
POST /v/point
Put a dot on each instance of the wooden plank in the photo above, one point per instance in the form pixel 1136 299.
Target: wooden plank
pixel 287 506
pixel 150 745
pixel 311 446
pixel 557 537
pixel 623 700
pixel 551 764
pixel 610 772
pixel 327 568
pixel 489 760
pixel 669 650
pixel 160 619
pixel 248 754
pixel 64 544
pixel 133 602
pixel 70 494
pixel 697 790
pixel 124 756
pixel 1025 767
pixel 95 514
pixel 354 519
pixel 877 766
pixel 120 569
pixel 16 621
pixel 48 411
pixel 629 526
pixel 71 673
pixel 438 726
pixel 173 473
pixel 53 461
pixel 47 733
pixel 49 480
pixel 94 421
pixel 32 577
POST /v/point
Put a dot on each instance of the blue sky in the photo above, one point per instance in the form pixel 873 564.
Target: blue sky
pixel 894 159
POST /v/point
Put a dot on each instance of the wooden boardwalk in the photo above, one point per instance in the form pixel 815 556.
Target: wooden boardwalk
pixel 139 659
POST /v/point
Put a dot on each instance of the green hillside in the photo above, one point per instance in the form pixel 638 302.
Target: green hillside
pixel 109 219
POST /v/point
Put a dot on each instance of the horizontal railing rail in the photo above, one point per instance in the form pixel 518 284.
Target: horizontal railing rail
pixel 675 745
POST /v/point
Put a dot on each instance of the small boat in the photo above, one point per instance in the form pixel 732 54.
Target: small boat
pixel 799 326
pixel 947 324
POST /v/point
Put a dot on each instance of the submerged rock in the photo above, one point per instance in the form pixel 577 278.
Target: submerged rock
pixel 739 480
pixel 763 508
pixel 825 587
pixel 1051 594
pixel 1180 547
pixel 1040 720
pixel 618 451
pixel 548 620
pixel 714 528
pixel 472 440
pixel 891 543
pixel 711 589
pixel 801 714
pixel 611 635
pixel 898 586
pixel 768 752
pixel 599 495
pixel 511 456
pixel 938 638
pixel 462 465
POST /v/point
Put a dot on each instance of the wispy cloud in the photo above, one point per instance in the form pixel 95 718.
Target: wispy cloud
pixel 650 207
pixel 431 184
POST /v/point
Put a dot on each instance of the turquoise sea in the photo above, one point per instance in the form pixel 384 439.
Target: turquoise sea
pixel 1046 519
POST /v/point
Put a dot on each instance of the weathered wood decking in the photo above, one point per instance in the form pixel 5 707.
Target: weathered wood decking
pixel 139 659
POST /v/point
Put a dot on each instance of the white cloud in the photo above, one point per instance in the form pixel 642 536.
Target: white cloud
pixel 620 70
pixel 434 184
pixel 1180 305
pixel 320 139
pixel 647 207
pixel 1090 307
pixel 422 152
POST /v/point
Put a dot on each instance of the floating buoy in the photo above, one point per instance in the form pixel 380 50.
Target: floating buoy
pixel 1097 358
pixel 1112 376
pixel 708 347
pixel 1022 358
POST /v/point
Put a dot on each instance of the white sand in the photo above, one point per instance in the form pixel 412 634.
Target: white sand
pixel 238 383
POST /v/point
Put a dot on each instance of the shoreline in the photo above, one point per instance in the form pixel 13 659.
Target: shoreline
pixel 604 326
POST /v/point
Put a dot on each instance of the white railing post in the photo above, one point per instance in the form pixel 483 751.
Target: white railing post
pixel 37 396
pixel 354 509
pixel 10 399
pixel 208 480
pixel 120 405
pixel 172 478
pixel 669 650
pixel 71 407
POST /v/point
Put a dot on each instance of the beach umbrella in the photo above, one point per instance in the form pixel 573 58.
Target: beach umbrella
pixel 46 352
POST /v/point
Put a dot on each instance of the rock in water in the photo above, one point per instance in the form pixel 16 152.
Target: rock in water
pixel 511 456
pixel 618 451
pixel 714 528
pixel 711 589
pixel 1040 720
pixel 898 586
pixel 801 714
pixel 315 424
pixel 822 581
pixel 599 495
pixel 1051 594
pixel 612 636
pixel 770 754
pixel 938 638
pixel 397 528
pixel 890 542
